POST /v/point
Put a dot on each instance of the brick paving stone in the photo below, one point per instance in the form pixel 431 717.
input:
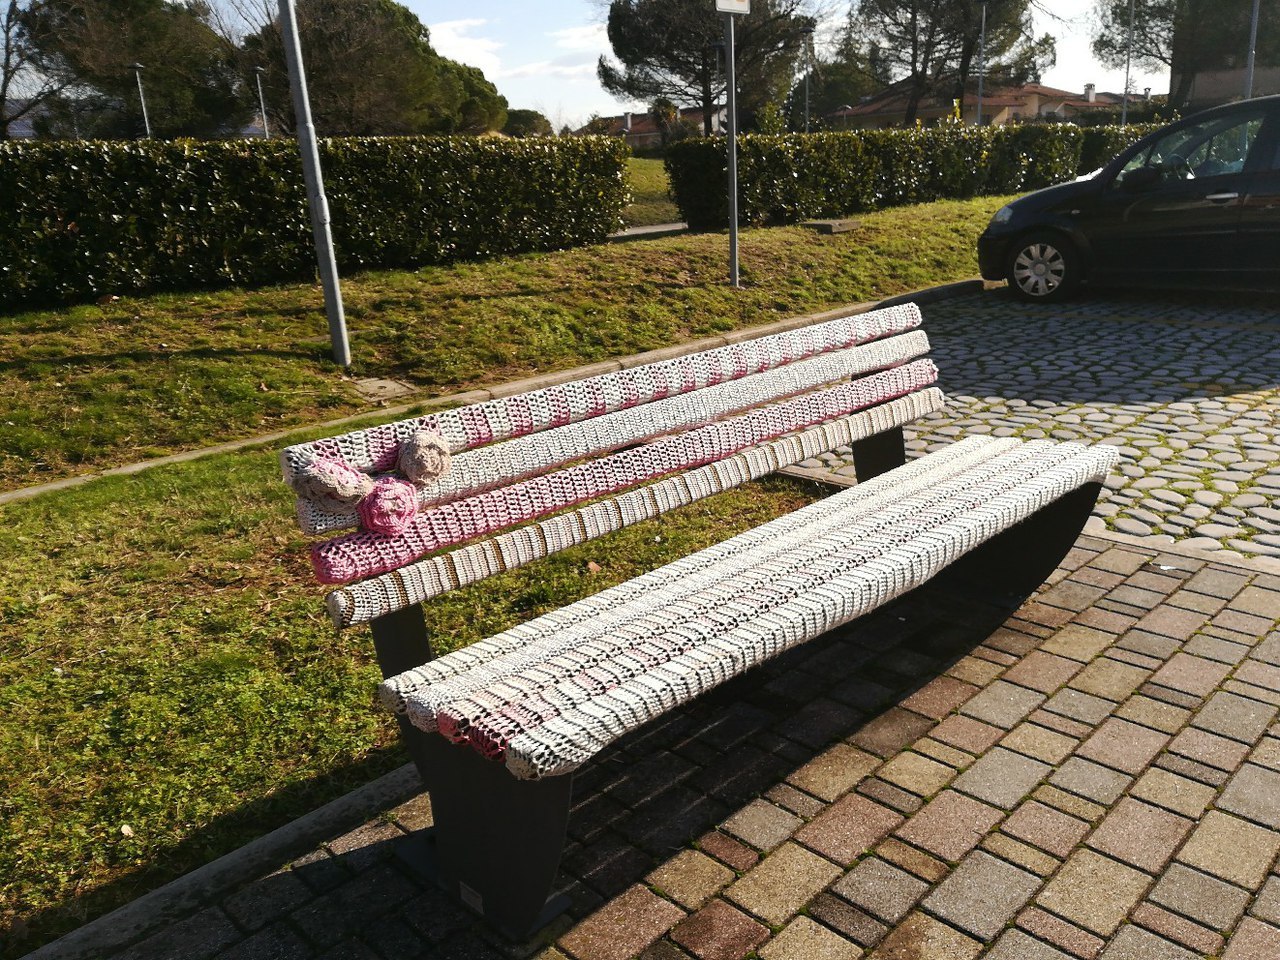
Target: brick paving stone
pixel 1215 648
pixel 270 898
pixel 1118 560
pixel 1239 622
pixel 1253 940
pixel 1134 943
pixel 277 942
pixel 1262 675
pixel 1060 724
pixel 1178 929
pixel 1140 835
pixel 1123 745
pixel 937 750
pixel 1153 713
pixel 1133 658
pixel 1259 602
pixel 1190 600
pixel 1267 754
pixel 782 883
pixel 925 866
pixel 1192 769
pixel 1194 675
pixel 727 850
pixel 1169 695
pixel 1251 692
pixel 1077 642
pixel 1151 644
pixel 719 932
pixel 891 731
pixel 1232 849
pixel 916 773
pixel 690 878
pixel 802 939
pixel 1266 906
pixel 880 889
pixel 661 950
pixel 1020 854
pixel 939 697
pixel 1209 749
pixel 1002 777
pixel 890 796
pixel 950 825
pixel 1042 671
pixel 847 920
pixel 1253 793
pixel 197 937
pixel 920 937
pixel 1173 792
pixel 797 801
pixel 1077 942
pixel 1110 679
pixel 974 670
pixel 1173 622
pixel 1217 583
pixel 342 911
pixel 847 828
pixel 1071 595
pixel 967 734
pixel 1047 828
pixel 1016 945
pixel 1080 706
pixel 1002 704
pixel 761 824
pixel 982 895
pixel 622 927
pixel 1039 743
pixel 1136 596
pixel 834 772
pixel 1234 717
pixel 1077 806
pixel 1090 780
pixel 1094 891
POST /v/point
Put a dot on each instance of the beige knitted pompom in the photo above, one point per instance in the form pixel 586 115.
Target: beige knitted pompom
pixel 423 457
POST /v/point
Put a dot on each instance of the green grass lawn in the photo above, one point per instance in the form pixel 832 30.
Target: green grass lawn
pixel 115 382
pixel 172 686
pixel 650 203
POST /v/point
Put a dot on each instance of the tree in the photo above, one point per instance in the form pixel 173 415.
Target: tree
pixel 855 70
pixel 527 123
pixel 669 49
pixel 24 89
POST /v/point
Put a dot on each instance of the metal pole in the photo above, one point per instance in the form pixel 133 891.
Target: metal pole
pixel 1128 61
pixel 142 99
pixel 808 69
pixel 1253 52
pixel 315 185
pixel 733 152
pixel 262 102
pixel 982 60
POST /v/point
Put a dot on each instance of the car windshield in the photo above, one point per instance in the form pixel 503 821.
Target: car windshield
pixel 1207 149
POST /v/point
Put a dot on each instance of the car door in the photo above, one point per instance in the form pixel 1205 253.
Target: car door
pixel 1175 208
pixel 1258 254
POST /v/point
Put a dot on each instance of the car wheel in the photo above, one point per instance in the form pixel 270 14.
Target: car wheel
pixel 1043 267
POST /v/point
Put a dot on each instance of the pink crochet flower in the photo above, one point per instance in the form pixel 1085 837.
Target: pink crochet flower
pixel 332 484
pixel 389 507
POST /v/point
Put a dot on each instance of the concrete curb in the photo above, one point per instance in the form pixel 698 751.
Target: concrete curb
pixel 177 899
pixel 929 295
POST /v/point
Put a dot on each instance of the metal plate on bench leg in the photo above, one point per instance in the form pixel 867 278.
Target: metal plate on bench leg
pixel 879 453
pixel 497 841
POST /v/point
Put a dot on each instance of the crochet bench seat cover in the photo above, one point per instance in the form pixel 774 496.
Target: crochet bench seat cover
pixel 546 696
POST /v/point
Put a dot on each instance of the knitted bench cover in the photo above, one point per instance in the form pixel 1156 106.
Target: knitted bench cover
pixel 376 448
pixel 365 601
pixel 363 554
pixel 485 468
pixel 582 676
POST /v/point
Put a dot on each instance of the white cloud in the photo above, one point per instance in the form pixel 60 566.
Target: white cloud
pixel 549 68
pixel 592 38
pixel 453 39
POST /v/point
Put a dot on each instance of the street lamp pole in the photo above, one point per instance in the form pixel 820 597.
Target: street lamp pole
pixel 808 69
pixel 142 98
pixel 262 101
pixel 1128 61
pixel 1253 51
pixel 982 60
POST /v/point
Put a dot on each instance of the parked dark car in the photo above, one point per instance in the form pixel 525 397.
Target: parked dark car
pixel 1196 203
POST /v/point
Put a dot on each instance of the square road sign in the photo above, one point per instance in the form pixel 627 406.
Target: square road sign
pixel 733 6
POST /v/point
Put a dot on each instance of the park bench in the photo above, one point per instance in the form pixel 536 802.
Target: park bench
pixel 421 507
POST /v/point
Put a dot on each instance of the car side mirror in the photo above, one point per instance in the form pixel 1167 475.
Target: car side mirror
pixel 1142 178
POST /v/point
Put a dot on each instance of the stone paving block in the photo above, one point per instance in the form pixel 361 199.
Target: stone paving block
pixel 797 801
pixel 802 939
pixel 1266 906
pixel 344 910
pixel 1016 945
pixel 939 697
pixel 848 827
pixel 1040 743
pixel 1045 827
pixel 1094 891
pixel 197 937
pixel 1258 674
pixel 974 670
pixel 782 883
pixel 1217 583
pixel 1194 675
pixel 920 937
pixel 1140 835
pixel 1232 849
pixel 1002 777
pixel 1209 749
pixel 1060 724
pixel 1243 623
pixel 847 920
pixel 1002 704
pixel 1251 692
pixel 622 927
pixel 1150 644
pixel 1110 679
pixel 277 942
pixel 1267 754
pixel 891 731
pixel 1253 793
pixel 1071 595
pixel 1070 803
pixel 1259 602
pixel 880 889
pixel 1123 745
pixel 834 772
pixel 950 825
pixel 1080 706
pixel 762 825
pixel 659 950
pixel 916 773
pixel 1121 561
pixel 937 750
pixel 1134 943
pixel 1060 933
pixel 982 895
pixel 272 897
pixel 1192 769
pixel 1253 940
pixel 1090 780
pixel 889 795
pixel 1153 713
pixel 1215 648
pixel 923 865
pixel 1173 792
pixel 1041 671
pixel 967 734
pixel 1193 936
pixel 719 932
pixel 727 850
pixel 690 878
pixel 1173 622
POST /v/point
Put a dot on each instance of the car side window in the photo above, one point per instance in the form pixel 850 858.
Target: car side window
pixel 1212 148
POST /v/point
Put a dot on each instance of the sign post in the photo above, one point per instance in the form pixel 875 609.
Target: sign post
pixel 731 9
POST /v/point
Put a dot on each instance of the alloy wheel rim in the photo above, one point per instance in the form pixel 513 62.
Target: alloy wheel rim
pixel 1039 269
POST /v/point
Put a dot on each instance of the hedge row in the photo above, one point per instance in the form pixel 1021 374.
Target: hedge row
pixel 85 219
pixel 784 179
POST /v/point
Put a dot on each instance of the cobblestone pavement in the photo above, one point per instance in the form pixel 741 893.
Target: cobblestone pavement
pixel 1188 389
pixel 1096 775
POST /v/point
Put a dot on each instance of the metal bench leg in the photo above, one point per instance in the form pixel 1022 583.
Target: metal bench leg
pixel 879 454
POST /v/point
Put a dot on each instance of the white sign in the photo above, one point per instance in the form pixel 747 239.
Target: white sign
pixel 733 6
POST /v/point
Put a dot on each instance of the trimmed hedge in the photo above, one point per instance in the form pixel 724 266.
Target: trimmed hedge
pixel 85 219
pixel 784 179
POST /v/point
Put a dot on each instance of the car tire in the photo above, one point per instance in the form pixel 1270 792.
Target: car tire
pixel 1043 268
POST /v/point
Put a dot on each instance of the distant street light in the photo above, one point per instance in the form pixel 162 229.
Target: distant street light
pixel 262 101
pixel 808 69
pixel 1128 60
pixel 142 98
pixel 1253 52
pixel 982 60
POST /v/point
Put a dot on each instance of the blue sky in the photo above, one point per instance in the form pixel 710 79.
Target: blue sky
pixel 541 54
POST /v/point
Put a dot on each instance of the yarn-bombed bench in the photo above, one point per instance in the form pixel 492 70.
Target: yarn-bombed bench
pixel 451 498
